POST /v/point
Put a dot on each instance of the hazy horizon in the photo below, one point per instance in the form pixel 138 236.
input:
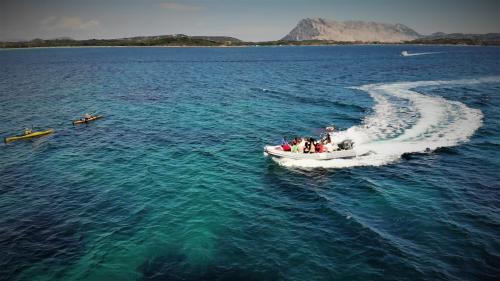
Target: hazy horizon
pixel 249 21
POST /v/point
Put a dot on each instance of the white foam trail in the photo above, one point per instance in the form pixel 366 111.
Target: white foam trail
pixel 419 54
pixel 404 121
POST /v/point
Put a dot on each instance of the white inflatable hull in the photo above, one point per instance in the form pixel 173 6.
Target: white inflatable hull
pixel 276 151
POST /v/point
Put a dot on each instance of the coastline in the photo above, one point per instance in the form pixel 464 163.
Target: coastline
pixel 92 47
pixel 250 46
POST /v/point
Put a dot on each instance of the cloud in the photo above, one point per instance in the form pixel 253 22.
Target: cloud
pixel 48 21
pixel 180 7
pixel 68 23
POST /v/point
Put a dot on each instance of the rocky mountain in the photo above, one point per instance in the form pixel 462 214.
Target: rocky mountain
pixel 350 31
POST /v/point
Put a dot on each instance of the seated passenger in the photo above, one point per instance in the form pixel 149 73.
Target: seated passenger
pixel 300 145
pixel 284 145
pixel 28 131
pixel 310 146
pixel 313 145
pixel 307 147
pixel 319 148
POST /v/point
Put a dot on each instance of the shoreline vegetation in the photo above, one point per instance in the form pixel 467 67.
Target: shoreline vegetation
pixel 180 40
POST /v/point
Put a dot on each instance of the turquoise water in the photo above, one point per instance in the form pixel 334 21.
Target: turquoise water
pixel 173 184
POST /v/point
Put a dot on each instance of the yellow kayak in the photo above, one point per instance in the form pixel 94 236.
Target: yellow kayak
pixel 81 121
pixel 28 136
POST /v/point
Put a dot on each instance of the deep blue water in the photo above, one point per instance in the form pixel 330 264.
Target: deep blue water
pixel 173 185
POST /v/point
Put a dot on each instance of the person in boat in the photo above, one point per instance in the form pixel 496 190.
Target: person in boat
pixel 285 145
pixel 329 138
pixel 307 147
pixel 87 117
pixel 314 143
pixel 319 147
pixel 295 145
pixel 328 144
pixel 301 144
pixel 27 131
pixel 310 145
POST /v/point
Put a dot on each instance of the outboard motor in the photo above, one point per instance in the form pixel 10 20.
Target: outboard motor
pixel 346 145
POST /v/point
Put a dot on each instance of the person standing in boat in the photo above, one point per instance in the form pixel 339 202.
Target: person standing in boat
pixel 330 129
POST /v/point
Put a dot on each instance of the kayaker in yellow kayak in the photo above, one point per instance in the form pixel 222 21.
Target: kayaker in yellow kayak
pixel 27 134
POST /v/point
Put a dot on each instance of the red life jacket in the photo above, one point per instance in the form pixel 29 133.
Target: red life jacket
pixel 286 147
pixel 320 148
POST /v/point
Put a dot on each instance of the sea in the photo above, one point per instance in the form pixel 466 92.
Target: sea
pixel 173 183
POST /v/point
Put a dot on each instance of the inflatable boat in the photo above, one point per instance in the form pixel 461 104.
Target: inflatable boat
pixel 345 151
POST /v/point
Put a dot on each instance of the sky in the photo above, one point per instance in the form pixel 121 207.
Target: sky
pixel 257 20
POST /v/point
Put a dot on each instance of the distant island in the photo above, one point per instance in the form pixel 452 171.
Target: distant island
pixel 362 32
pixel 316 31
pixel 350 31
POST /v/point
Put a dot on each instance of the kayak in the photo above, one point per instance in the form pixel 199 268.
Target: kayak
pixel 28 136
pixel 81 121
pixel 277 151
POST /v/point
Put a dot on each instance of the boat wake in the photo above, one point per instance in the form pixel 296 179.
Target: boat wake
pixel 404 121
pixel 406 54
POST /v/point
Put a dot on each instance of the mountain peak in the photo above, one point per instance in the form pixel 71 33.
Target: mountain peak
pixel 350 31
